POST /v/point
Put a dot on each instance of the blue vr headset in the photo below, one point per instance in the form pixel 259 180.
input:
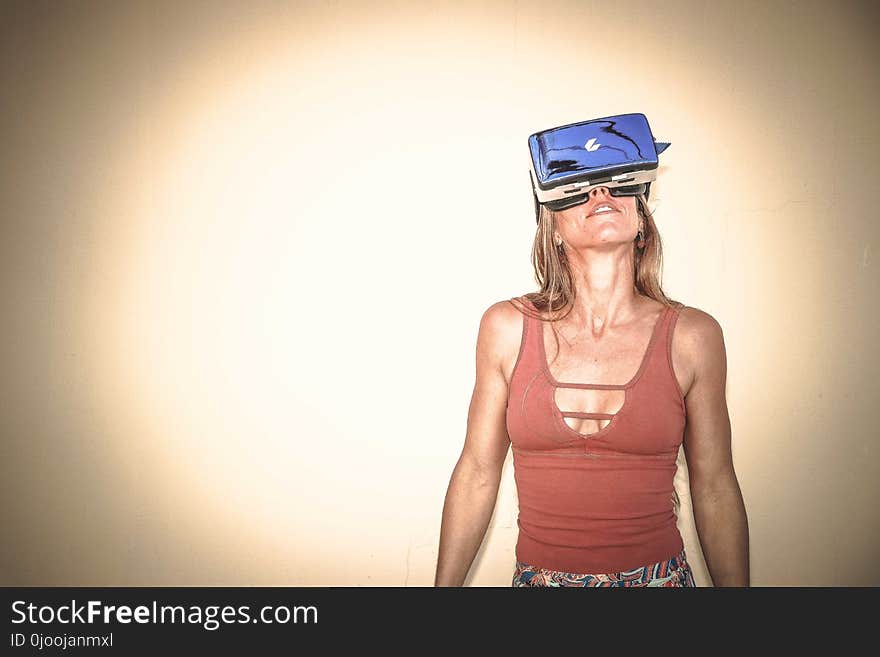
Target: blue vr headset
pixel 618 152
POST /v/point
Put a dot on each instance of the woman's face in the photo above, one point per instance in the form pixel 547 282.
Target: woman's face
pixel 581 226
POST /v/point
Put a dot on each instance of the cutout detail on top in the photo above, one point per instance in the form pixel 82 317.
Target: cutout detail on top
pixel 588 411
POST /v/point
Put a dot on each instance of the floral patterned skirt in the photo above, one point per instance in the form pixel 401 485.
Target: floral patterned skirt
pixel 674 571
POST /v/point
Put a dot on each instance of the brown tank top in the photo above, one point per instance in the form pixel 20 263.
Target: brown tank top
pixel 599 502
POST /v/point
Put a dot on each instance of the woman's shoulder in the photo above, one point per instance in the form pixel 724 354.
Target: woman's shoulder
pixel 506 315
pixel 697 331
pixel 695 318
pixel 501 330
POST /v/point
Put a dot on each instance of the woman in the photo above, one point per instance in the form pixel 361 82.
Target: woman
pixel 596 416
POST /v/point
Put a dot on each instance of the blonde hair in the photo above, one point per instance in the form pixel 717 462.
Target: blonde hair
pixel 554 276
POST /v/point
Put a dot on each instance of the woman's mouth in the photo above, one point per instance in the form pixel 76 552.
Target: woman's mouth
pixel 602 209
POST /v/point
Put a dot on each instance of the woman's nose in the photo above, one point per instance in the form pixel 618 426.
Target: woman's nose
pixel 599 191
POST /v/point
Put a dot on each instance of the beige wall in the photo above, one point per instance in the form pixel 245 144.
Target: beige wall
pixel 246 247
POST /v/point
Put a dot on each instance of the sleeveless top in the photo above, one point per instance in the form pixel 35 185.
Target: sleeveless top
pixel 599 502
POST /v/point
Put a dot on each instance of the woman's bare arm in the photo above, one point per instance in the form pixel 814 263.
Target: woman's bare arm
pixel 473 487
pixel 719 512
